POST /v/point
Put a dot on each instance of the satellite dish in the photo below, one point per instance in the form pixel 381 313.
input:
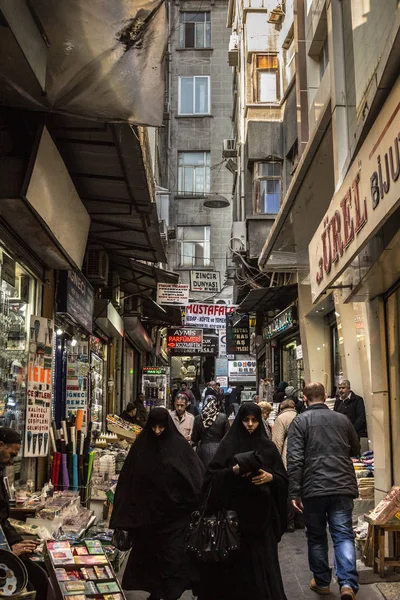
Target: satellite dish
pixel 216 201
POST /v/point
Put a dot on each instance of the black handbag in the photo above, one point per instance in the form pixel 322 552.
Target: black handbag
pixel 214 538
pixel 122 539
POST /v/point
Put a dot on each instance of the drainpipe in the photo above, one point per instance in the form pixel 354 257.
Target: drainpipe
pixel 242 120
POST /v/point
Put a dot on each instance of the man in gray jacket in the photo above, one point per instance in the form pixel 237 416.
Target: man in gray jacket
pixel 322 484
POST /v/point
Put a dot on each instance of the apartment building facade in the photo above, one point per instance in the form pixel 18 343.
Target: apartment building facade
pixel 337 228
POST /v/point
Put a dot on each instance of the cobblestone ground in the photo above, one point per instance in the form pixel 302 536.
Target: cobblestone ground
pixel 296 576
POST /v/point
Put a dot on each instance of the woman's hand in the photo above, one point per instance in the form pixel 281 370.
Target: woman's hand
pixel 236 469
pixel 263 477
pixel 24 547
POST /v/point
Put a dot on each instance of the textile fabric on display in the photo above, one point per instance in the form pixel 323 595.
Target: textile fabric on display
pixel 158 488
pixel 254 572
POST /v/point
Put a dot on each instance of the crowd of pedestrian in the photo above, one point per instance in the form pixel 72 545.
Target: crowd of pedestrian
pixel 276 474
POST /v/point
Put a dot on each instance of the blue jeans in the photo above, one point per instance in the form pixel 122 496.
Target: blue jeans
pixel 336 511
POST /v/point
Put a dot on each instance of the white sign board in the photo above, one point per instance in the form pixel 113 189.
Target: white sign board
pixel 205 281
pixel 299 352
pixel 172 294
pixel 208 316
pixel 368 196
pixel 242 370
pixel 223 381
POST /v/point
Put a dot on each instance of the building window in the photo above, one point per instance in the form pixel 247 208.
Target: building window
pixel 268 185
pixel 194 95
pixel 193 173
pixel 195 30
pixel 323 59
pixel 267 78
pixel 194 246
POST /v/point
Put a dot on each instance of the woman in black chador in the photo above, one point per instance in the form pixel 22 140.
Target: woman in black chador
pixel 158 488
pixel 260 499
pixel 208 430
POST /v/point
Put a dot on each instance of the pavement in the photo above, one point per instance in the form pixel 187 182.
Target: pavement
pixel 296 575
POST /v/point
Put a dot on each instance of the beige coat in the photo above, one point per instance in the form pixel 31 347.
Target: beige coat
pixel 280 431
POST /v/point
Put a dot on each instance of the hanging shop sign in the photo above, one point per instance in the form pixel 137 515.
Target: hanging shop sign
pixel 237 335
pixel 299 352
pixel 281 323
pixel 77 376
pixel 154 371
pixel 242 370
pixel 38 409
pixel 210 344
pixel 172 294
pixel 207 316
pixel 221 367
pixel 368 196
pixel 223 381
pixel 205 281
pixel 185 340
pixel 75 298
pixel 222 345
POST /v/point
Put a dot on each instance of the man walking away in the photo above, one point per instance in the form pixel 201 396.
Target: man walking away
pixel 280 437
pixel 322 484
pixel 353 407
pixel 183 420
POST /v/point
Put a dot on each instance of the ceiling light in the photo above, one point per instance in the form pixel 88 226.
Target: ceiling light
pixel 73 342
pixel 216 201
pixel 59 331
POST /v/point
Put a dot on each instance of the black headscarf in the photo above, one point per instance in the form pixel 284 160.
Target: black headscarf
pixel 161 477
pixel 238 440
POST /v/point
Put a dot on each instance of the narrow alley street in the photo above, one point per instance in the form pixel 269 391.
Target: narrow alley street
pixel 296 576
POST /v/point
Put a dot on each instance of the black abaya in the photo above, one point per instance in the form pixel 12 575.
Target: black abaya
pixel 254 571
pixel 158 488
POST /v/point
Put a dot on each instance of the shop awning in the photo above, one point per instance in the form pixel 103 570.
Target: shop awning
pixel 161 315
pixel 135 331
pixel 87 58
pixel 107 163
pixel 140 279
pixel 272 298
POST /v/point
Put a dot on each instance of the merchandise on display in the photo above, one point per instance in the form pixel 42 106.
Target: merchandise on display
pixel 154 386
pixel 96 390
pixel 123 429
pixel 81 571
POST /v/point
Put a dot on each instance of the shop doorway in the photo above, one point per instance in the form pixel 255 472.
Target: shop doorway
pixel 392 324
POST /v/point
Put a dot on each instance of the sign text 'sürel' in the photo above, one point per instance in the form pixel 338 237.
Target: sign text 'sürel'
pixel 207 316
pixel 368 196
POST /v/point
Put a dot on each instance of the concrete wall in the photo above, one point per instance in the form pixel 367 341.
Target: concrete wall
pixel 202 133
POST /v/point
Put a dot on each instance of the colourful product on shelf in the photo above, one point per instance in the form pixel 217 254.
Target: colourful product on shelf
pixel 113 597
pixel 94 546
pixel 81 551
pixel 106 588
pixel 69 588
pixel 91 560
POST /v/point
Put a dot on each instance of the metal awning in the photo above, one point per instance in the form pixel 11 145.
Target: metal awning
pixel 107 163
pixel 272 298
pixel 140 279
pixel 161 315
pixel 87 58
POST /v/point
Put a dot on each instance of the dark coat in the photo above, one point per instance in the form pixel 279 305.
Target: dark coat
pixel 321 443
pixel 141 413
pixel 207 440
pixel 354 409
pixel 11 534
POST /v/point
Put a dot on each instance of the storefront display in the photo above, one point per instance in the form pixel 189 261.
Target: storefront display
pixel 154 386
pixel 97 383
pixel 292 363
pixel 17 304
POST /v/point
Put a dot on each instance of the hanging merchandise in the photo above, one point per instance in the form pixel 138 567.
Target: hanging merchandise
pixel 154 386
pixel 77 376
pixel 96 390
pixel 38 413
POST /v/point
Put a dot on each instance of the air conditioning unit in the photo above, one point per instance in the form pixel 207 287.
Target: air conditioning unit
pixel 239 236
pixel 97 267
pixel 233 51
pixel 226 301
pixel 229 148
pixel 112 291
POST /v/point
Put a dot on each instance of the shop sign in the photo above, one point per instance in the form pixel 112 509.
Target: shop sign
pixel 8 269
pixel 242 370
pixel 77 377
pixel 75 298
pixel 154 370
pixel 223 381
pixel 205 281
pixel 368 196
pixel 185 339
pixel 172 294
pixel 281 323
pixel 210 344
pixel 38 409
pixel 207 316
pixel 221 367
pixel 237 336
pixel 299 352
pixel 222 345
